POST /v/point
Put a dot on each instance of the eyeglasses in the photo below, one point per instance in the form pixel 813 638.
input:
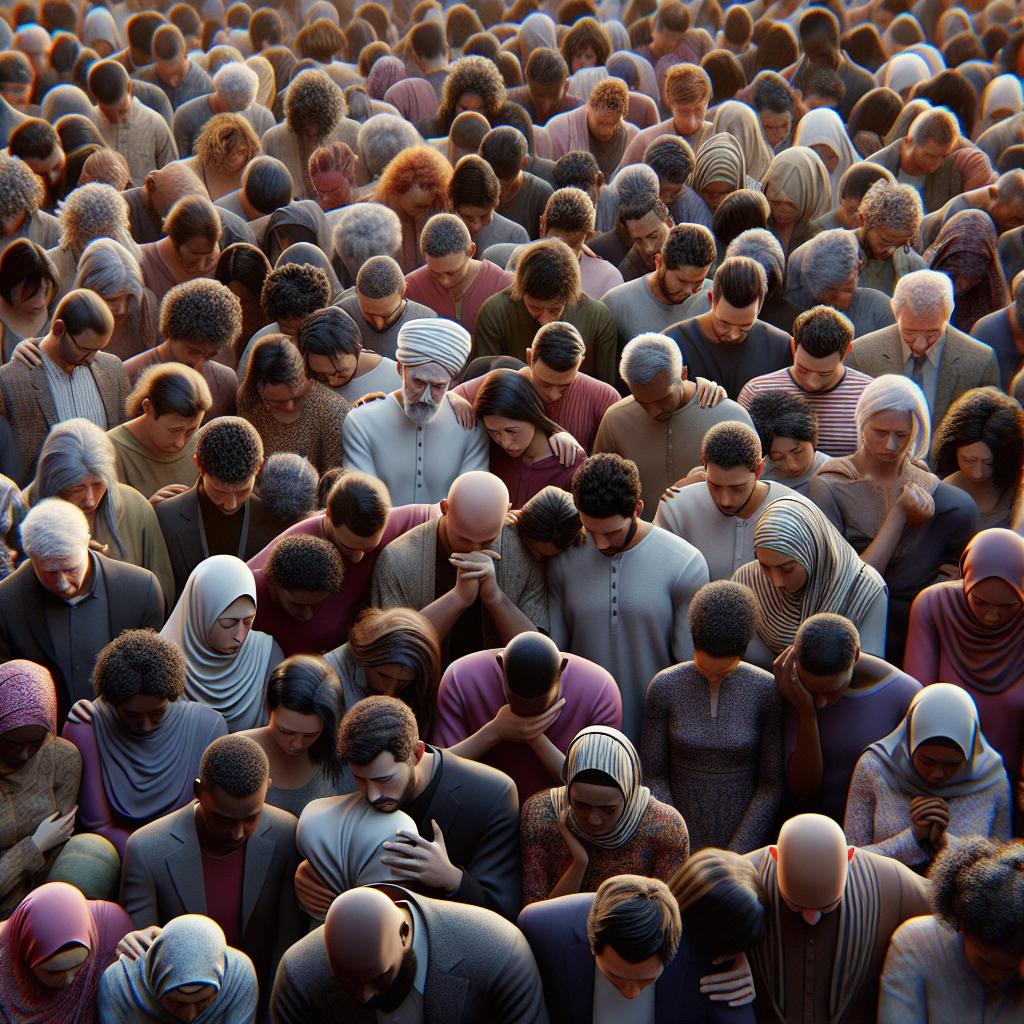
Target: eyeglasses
pixel 88 354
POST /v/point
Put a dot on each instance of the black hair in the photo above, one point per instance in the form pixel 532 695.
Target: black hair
pixel 306 563
pixel 781 414
pixel 731 444
pixel 229 449
pixel 606 485
pixel 376 725
pixel 826 644
pixel 722 619
pixel 509 394
pixel 139 661
pixel 235 764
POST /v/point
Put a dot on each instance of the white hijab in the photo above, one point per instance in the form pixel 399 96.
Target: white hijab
pixel 824 127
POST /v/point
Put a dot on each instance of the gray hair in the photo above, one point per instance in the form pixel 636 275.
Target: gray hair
pixel 236 85
pixel 365 230
pixel 892 392
pixel 634 182
pixel 764 248
pixel 381 138
pixel 646 356
pixel 288 487
pixel 443 235
pixel 92 211
pixel 923 292
pixel 898 207
pixel 55 529
pixel 107 268
pixel 829 261
pixel 379 277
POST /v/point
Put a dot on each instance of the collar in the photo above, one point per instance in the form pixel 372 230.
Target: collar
pixel 933 355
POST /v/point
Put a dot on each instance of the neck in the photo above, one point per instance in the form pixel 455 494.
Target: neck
pixel 467 281
pixel 538 448
pixel 217 104
pixel 654 286
pixel 882 471
pixel 51 348
pixel 755 501
pixel 424 771
pixel 704 324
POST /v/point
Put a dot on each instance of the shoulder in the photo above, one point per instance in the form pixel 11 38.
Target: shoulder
pixel 869 344
pixel 965 345
pixel 616 298
pixel 65 754
pixel 280 824
pixel 917 938
pixel 181 504
pixel 660 819
pixel 539 812
pixel 553 919
pixel 664 540
pixel 124 573
pixel 482 782
pixel 158 832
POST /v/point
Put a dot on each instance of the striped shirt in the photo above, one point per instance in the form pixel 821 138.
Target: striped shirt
pixel 837 426
pixel 76 395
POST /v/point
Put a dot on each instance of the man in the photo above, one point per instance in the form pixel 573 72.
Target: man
pixel 139 31
pixel 179 77
pixel 139 134
pixel 150 203
pixel 660 425
pixel 380 305
pixel 474 193
pixel 545 93
pixel 522 195
pixel 672 161
pixel 546 288
pixel 924 158
pixel 35 43
pixel 266 186
pixel 600 127
pixel 728 343
pixel 1003 331
pixel 669 294
pixel 468 571
pixel 36 143
pixel 199 320
pixel 518 709
pixel 671 36
pixel 76 377
pixel 833 911
pixel 1003 201
pixel 853 185
pixel 622 598
pixel 466 814
pixel 65 603
pixel 360 522
pixel 453 284
pixel 415 425
pixel 923 346
pixel 428 54
pixel 219 514
pixel 229 855
pixel 647 224
pixel 822 339
pixel 385 953
pixel 569 215
pixel 719 510
pixel 773 104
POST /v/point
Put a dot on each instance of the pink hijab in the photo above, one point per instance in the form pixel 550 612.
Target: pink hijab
pixel 27 696
pixel 414 99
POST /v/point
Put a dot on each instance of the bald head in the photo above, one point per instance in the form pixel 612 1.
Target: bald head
pixel 366 936
pixel 475 511
pixel 813 858
pixel 166 185
pixel 533 667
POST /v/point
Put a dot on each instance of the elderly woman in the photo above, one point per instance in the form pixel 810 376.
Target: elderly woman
pixel 28 288
pixel 224 146
pixel 799 191
pixel 381 138
pixel 473 83
pixel 21 195
pixel 901 519
pixel 189 249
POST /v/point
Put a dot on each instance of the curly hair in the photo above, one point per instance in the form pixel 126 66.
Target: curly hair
pixel 671 158
pixel 21 191
pixel 688 245
pixel 722 617
pixel 221 136
pixel 93 211
pixel 826 644
pixel 577 169
pixel 547 271
pixel 610 94
pixel 139 661
pixel 378 725
pixel 235 764
pixel 472 74
pixel 229 449
pixel 381 138
pixel 295 290
pixel 587 32
pixel 895 206
pixel 314 100
pixel 781 414
pixel 569 209
pixel 419 165
pixel 306 563
pixel 731 444
pixel 606 485
pixel 203 311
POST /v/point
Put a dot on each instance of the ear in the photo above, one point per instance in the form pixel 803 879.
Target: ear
pixel 196 788
pixel 774 851
pixel 529 356
pixel 590 235
pixel 444 506
pixel 684 373
pixel 657 261
pixel 639 507
pixel 525 163
pixel 58 327
pixel 418 751
pixel 860 218
pixel 543 226
pixel 993 193
pixel 760 469
pixel 792 346
pixel 600 174
pixel 472 249
pixel 847 352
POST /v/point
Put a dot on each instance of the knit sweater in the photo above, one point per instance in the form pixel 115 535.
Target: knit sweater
pixel 144 140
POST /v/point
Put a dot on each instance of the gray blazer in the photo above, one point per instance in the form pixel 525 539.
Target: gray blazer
pixel 480 969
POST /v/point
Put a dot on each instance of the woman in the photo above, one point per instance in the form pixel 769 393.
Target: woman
pixel 720 169
pixel 979 447
pixel 299 223
pixel 305 704
pixel 967 250
pixel 822 130
pixel 393 653
pixel 243 268
pixel 549 524
pixel 112 271
pixel 189 249
pixel 189 973
pixel 799 190
pixel 586 45
pixel 291 412
pixel 53 952
pixel 29 285
pixel 522 453
pixel 788 430
pixel 903 72
pixel 602 822
pixel 223 148
pixel 712 744
pixel 902 520
pixel 156 448
pixel 228 662
pixel 803 566
pixel 100 32
pixel 78 463
pixel 1001 99
pixel 473 83
pixel 740 121
pixel 332 347
pixel 931 781
pixel 414 99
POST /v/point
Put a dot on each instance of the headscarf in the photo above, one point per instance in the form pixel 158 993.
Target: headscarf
pixel 1002 98
pixel 191 950
pixel 583 82
pixel 992 659
pixel 414 99
pixel 619 36
pixel 603 749
pixel 931 56
pixel 47 919
pixel 433 340
pixel 233 684
pixel 309 255
pixel 824 127
pixel 801 177
pixel 266 91
pixel 967 245
pixel 27 696
pixel 740 122
pixel 99 26
pixel 904 71
pixel 648 82
pixel 720 159
pixel 538 30
pixel 837 580
pixel 65 99
pixel 301 220
pixel 386 71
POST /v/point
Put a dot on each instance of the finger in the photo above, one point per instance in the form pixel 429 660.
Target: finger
pixel 413 838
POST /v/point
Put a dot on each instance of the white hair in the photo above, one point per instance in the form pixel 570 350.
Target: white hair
pixel 365 230
pixel 107 268
pixel 764 248
pixel 646 356
pixel 236 84
pixel 55 529
pixel 830 260
pixel 923 292
pixel 892 392
pixel 634 181
pixel 381 138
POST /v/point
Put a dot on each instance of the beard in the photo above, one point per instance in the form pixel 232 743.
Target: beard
pixel 388 1002
pixel 422 411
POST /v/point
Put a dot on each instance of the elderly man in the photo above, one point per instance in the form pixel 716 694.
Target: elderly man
pixel 65 603
pixel 179 77
pixel 522 195
pixel 660 425
pixel 600 127
pixel 1003 201
pixel 923 346
pixel 411 440
pixel 362 231
pixel 468 571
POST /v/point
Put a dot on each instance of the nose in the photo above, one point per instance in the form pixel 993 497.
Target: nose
pixel 356 556
pixel 892 444
pixel 812 917
pixel 238 833
pixel 630 989
pixel 595 819
pixel 373 792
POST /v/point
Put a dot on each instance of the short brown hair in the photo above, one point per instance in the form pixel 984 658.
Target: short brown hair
pixel 359 501
pixel 548 271
pixel 741 281
pixel 610 94
pixel 638 917
pixel 686 83
pixel 375 725
pixel 193 217
pixel 586 32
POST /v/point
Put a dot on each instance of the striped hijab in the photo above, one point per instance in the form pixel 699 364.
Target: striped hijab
pixel 600 748
pixel 837 580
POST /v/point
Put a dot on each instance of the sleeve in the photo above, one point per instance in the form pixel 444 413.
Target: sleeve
pixel 655 745
pixel 604 441
pixel 755 825
pixel 487 329
pixel 94 811
pixel 1002 816
pixel 686 585
pixel 154 548
pixel 859 822
pixel 291 923
pixel 532 599
pixel 746 395
pixel 477 454
pixel 671 843
pixel 544 854
pixel 181 135
pixel 921 659
pixel 872 626
pixel 990 377
pixel 823 495
pixel 450 727
pixel 903 998
pixel 357 453
pixel 517 996
pixel 154 606
pixel 138 886
pixel 386 589
pixel 20 866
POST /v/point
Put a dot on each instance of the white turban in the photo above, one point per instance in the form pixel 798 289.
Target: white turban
pixel 433 340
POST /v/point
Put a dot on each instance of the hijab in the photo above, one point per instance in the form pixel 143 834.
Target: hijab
pixel 740 122
pixel 837 580
pixel 603 749
pixel 47 919
pixel 233 684
pixel 904 71
pixel 301 220
pixel 266 90
pixel 941 711
pixel 801 177
pixel 27 697
pixel 99 26
pixel 824 127
pixel 538 30
pixel 902 124
pixel 190 950
pixel 991 660
pixel 583 82
pixel 720 159
pixel 648 82
pixel 414 99
pixel 65 99
pixel 931 56
pixel 1002 98
pixel 386 71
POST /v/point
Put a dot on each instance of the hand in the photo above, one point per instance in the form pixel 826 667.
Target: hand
pixel 420 860
pixel 315 896
pixel 135 944
pixel 28 353
pixel 54 830
pixel 167 492
pixel 916 504
pixel 734 986
pixel 463 410
pixel 793 692
pixel 929 818
pixel 81 711
pixel 710 394
pixel 515 728
pixel 479 566
pixel 576 848
pixel 467 587
pixel 696 475
pixel 565 446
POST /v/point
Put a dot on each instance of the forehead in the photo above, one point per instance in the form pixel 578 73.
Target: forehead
pixel 597 796
pixel 428 373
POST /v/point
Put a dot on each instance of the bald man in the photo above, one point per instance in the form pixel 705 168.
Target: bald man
pixel 832 912
pixel 386 954
pixel 468 571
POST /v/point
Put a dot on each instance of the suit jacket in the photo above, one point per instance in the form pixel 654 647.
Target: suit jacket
pixel 939 187
pixel 134 601
pixel 26 401
pixel 557 932
pixel 163 878
pixel 479 969
pixel 965 364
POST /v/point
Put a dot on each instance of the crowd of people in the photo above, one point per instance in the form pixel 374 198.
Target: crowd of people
pixel 511 513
